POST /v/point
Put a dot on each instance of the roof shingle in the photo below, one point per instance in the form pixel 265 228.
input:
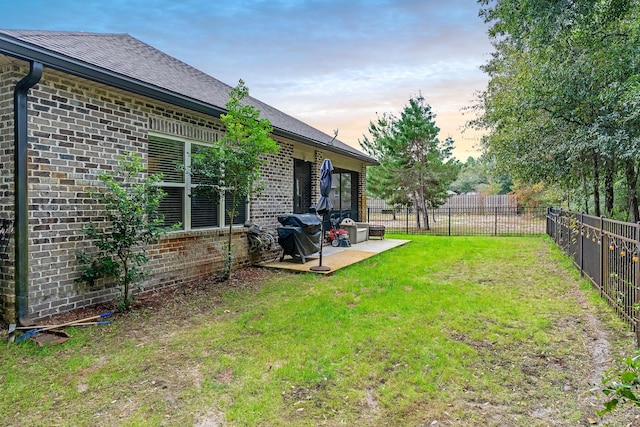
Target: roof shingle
pixel 127 56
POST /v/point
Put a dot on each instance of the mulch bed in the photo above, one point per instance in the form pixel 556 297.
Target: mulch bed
pixel 170 298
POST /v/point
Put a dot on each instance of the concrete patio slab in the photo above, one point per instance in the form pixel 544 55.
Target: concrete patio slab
pixel 336 258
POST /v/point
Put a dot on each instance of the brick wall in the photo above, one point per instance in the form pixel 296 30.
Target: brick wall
pixel 276 197
pixel 77 129
pixel 315 175
pixel 8 75
pixel 362 193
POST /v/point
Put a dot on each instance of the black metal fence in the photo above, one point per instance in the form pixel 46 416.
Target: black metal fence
pixel 606 251
pixel 461 221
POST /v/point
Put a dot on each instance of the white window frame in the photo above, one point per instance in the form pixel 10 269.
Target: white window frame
pixel 187 186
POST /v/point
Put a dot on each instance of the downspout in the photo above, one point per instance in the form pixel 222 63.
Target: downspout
pixel 21 225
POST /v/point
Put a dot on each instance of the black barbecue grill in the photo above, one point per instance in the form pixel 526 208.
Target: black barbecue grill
pixel 299 235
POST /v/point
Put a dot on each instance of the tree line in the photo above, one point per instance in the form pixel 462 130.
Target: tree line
pixel 561 107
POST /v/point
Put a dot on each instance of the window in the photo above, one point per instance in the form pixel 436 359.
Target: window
pixel 344 192
pixel 167 156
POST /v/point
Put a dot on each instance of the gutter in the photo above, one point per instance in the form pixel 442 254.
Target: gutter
pixel 21 225
pixel 27 52
pixel 298 138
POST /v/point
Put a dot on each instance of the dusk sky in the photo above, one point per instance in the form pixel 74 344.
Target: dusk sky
pixel 333 64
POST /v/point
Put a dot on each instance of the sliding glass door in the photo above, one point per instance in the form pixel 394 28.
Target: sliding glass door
pixel 344 193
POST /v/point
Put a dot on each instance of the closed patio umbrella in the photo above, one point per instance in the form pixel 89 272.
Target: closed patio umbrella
pixel 324 204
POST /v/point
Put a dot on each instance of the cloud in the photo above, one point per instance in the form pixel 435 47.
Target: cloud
pixel 330 63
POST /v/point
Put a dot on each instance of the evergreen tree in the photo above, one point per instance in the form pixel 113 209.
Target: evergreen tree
pixel 415 167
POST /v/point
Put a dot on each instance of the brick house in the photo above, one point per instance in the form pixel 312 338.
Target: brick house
pixel 71 104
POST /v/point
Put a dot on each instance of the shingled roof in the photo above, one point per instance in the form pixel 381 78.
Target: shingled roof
pixel 125 62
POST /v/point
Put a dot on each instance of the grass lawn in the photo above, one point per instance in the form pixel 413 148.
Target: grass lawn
pixel 442 331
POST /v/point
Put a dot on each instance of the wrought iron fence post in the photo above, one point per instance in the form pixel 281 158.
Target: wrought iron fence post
pixel 581 225
pixel 407 222
pixel 546 221
pixel 495 222
pixel 449 214
pixel 602 256
pixel 636 274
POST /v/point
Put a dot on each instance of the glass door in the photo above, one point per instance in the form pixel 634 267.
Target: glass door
pixel 301 186
pixel 344 193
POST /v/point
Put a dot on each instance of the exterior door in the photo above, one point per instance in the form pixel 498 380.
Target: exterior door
pixel 301 186
pixel 344 193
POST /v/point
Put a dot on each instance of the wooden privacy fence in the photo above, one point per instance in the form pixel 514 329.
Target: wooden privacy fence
pixel 606 251
pixel 475 202
pixel 480 201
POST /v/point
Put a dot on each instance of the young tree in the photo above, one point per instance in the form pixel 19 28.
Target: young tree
pixel 414 164
pixel 232 166
pixel 131 213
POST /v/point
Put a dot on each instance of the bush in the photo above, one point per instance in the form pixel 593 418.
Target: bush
pixel 622 383
pixel 131 212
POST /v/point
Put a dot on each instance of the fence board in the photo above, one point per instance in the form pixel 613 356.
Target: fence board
pixel 462 201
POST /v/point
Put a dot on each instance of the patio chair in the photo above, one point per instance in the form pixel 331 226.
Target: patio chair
pixel 358 231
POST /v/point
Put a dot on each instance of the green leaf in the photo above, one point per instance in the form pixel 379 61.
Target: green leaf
pixel 629 377
pixel 609 406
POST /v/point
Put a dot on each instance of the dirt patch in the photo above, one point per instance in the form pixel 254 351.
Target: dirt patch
pixel 200 296
pixel 245 279
pixel 225 376
pixel 371 402
pixel 600 355
pixel 211 419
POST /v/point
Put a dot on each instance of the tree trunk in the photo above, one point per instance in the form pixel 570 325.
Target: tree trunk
pixel 596 185
pixel 423 206
pixel 228 262
pixel 608 187
pixel 585 191
pixel 125 304
pixel 425 214
pixel 631 174
pixel 416 206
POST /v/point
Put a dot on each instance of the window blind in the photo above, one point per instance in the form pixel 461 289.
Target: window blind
pixel 204 211
pixel 171 206
pixel 166 157
pixel 241 210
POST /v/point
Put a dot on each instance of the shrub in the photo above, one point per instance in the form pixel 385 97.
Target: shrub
pixel 130 203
